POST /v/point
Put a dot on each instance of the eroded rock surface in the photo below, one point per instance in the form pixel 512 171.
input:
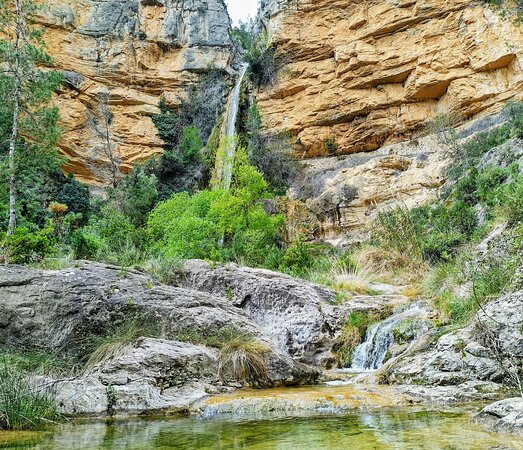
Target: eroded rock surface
pixel 137 51
pixel 488 349
pixel 65 310
pixel 505 416
pixel 360 75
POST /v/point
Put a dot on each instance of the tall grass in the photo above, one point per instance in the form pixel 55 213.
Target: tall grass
pixel 23 404
pixel 118 338
pixel 242 357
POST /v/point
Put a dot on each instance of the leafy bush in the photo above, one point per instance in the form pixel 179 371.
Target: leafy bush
pixel 24 246
pixel 182 167
pixel 85 246
pixel 264 65
pixel 270 154
pixel 298 258
pixel 218 224
pixel 76 196
pixel 511 200
pixel 134 196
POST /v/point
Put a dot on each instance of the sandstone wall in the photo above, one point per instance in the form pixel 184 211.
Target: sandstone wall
pixel 137 50
pixel 366 73
pixel 362 79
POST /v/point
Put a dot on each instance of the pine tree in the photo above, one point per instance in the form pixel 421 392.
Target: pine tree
pixel 27 123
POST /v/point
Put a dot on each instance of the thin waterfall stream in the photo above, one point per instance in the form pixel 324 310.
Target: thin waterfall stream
pixel 371 354
pixel 225 161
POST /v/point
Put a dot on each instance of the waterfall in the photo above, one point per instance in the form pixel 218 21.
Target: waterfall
pixel 225 161
pixel 370 355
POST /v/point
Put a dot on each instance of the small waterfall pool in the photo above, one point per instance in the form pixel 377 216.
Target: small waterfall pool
pixel 371 354
pixel 363 430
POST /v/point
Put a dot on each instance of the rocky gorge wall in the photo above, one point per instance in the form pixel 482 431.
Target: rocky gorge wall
pixel 360 82
pixel 134 51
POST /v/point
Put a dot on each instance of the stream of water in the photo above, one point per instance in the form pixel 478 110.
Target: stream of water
pixel 385 429
pixel 371 354
pixel 225 165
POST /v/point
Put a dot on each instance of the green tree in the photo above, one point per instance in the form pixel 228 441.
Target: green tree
pixel 135 195
pixel 27 123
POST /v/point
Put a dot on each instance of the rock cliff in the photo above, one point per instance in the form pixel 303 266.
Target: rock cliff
pixel 360 82
pixel 134 52
pixel 363 74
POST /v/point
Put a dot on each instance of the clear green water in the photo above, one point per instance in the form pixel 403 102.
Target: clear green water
pixel 406 429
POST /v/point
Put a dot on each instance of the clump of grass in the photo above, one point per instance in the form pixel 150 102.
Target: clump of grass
pixel 342 274
pixel 38 362
pixel 117 339
pixel 243 359
pixel 358 279
pixel 163 270
pixel 242 356
pixel 23 405
pixel 458 295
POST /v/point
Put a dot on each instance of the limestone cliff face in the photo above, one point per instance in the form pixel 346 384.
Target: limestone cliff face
pixel 134 51
pixel 364 75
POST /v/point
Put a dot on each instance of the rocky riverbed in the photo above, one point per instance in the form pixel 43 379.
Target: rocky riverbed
pixel 177 367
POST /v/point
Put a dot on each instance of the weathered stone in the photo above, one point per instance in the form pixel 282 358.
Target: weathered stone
pixel 505 416
pixel 366 74
pixel 485 350
pixel 138 51
pixel 300 317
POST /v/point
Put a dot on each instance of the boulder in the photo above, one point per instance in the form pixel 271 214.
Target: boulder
pixel 485 350
pixel 504 416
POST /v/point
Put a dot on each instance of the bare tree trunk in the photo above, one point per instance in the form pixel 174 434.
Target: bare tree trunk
pixel 14 134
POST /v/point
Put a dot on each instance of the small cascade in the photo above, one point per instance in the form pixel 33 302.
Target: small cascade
pixel 225 161
pixel 370 355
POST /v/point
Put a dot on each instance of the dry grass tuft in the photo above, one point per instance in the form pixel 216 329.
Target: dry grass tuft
pixel 243 359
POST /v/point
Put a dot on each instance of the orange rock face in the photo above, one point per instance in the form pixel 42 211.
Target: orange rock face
pixel 133 51
pixel 362 79
pixel 363 74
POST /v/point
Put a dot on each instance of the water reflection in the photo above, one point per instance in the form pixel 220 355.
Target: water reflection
pixel 362 431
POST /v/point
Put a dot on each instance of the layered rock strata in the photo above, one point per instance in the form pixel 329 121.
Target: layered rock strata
pixel 363 74
pixel 133 52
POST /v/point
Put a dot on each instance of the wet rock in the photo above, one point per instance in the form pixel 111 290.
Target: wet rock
pixel 505 416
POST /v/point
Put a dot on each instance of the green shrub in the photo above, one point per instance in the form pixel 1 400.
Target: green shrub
pixel 488 184
pixel 271 154
pixel 511 200
pixel 76 196
pixel 396 229
pixel 218 224
pixel 264 65
pixel 24 246
pixel 183 129
pixel 134 196
pixel 85 246
pixel 298 258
